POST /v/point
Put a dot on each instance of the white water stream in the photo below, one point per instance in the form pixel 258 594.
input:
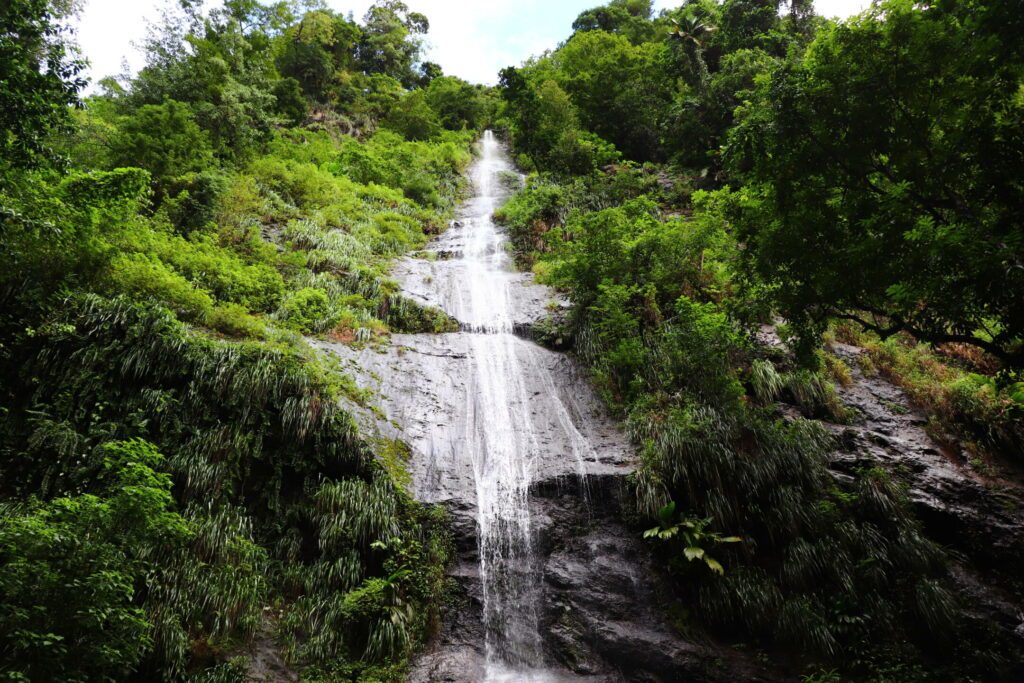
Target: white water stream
pixel 500 435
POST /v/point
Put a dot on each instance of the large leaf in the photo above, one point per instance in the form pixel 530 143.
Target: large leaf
pixel 693 552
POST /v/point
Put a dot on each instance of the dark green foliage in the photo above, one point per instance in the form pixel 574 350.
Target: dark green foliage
pixel 829 570
pixel 191 202
pixel 414 118
pixel 189 215
pixel 631 18
pixel 883 173
pixel 69 568
pixel 625 115
pixel 390 41
pixel 165 140
pixel 290 101
pixel 40 77
pixel 459 105
pixel 799 580
pixel 241 425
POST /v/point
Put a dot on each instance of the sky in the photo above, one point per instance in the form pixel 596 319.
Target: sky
pixel 472 39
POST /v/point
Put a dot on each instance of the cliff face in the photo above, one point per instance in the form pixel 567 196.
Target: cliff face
pixel 979 520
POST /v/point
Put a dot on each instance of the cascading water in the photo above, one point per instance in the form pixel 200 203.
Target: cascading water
pixel 501 443
pixel 512 440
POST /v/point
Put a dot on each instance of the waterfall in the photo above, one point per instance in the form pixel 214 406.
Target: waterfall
pixel 499 435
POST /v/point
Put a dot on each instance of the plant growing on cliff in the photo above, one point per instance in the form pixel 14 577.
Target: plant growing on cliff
pixel 691 534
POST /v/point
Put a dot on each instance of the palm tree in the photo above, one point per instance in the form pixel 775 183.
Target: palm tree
pixel 691 29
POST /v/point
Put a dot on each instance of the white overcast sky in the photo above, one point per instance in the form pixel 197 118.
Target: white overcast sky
pixel 472 39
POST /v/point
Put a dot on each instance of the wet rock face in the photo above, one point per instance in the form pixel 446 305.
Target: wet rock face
pixel 980 521
pixel 602 606
pixel 604 602
pixel 980 517
pixel 427 385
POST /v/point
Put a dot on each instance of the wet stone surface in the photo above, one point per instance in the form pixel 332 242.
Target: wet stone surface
pixel 979 521
pixel 512 440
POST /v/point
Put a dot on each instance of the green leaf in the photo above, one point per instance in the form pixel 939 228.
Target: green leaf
pixel 666 513
pixel 693 552
pixel 714 565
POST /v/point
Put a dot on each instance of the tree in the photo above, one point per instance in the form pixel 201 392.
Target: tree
pixel 457 103
pixel 290 101
pixel 316 50
pixel 884 173
pixel 222 67
pixel 631 18
pixel 414 118
pixel 626 114
pixel 691 29
pixel 165 140
pixel 40 79
pixel 391 44
pixel 428 71
pixel 70 569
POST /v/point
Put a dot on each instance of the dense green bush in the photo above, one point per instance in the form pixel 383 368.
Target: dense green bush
pixel 657 315
pixel 165 140
pixel 69 568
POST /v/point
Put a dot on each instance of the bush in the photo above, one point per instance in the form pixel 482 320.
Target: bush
pixel 147 277
pixel 70 568
pixel 165 140
pixel 235 321
pixel 413 118
pixel 307 310
pixel 191 202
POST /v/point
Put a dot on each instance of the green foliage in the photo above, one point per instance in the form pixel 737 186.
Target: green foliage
pixel 545 125
pixel 290 102
pixel 458 104
pixel 630 18
pixel 41 80
pixel 876 207
pixel 692 535
pixel 765 380
pixel 652 322
pixel 625 115
pixel 413 118
pixel 985 412
pixel 165 140
pixel 664 301
pixel 308 310
pixel 192 200
pixel 120 286
pixel 71 566
pixel 390 41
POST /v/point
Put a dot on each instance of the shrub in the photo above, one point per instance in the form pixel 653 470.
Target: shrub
pixel 147 277
pixel 235 321
pixel 70 568
pixel 307 310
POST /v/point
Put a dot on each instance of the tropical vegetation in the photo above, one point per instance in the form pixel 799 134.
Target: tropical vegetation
pixel 180 481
